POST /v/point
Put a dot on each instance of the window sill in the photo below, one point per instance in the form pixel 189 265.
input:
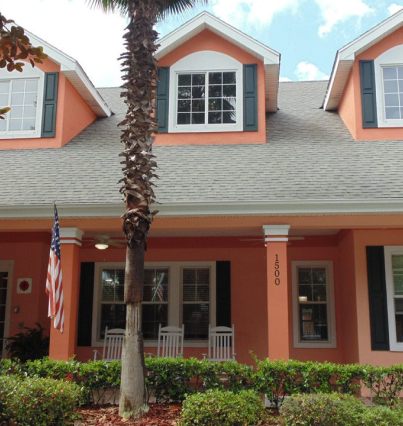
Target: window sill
pixel 19 135
pixel 315 345
pixel 204 129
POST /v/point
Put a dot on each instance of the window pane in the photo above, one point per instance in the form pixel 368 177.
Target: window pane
pixel 214 117
pixel 389 73
pixel 196 321
pixel 30 99
pixel 152 316
pixel 16 112
pixel 184 93
pixel 390 86
pixel 400 82
pixel 15 125
pixel 397 261
pixel 392 113
pixel 229 104
pixel 305 291
pixel 29 112
pixel 229 77
pixel 17 99
pixel 229 90
pixel 198 92
pixel 229 117
pixel 215 91
pixel 112 285
pixel 3 294
pixel 215 105
pixel 31 86
pixel 3 124
pixel 18 86
pixel 392 100
pixel 313 322
pixel 319 293
pixel 184 118
pixel 156 285
pixel 198 80
pixel 198 118
pixel 4 87
pixel 3 100
pixel 184 80
pixel 304 275
pixel 215 78
pixel 28 124
pixel 319 276
pixel 112 316
pixel 183 106
pixel 198 106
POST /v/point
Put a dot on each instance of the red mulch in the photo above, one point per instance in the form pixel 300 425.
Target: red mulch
pixel 158 414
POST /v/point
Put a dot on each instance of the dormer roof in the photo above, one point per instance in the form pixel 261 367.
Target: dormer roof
pixel 203 21
pixel 346 55
pixel 75 74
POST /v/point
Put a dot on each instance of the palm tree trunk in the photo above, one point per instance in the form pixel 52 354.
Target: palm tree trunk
pixel 140 68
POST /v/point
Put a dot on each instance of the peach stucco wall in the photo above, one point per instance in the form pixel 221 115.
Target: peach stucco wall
pixel 207 40
pixel 350 103
pixel 73 115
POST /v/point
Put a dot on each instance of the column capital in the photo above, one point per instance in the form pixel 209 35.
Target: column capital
pixel 71 236
pixel 276 232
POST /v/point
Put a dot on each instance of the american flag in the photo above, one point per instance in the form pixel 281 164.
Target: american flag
pixel 54 287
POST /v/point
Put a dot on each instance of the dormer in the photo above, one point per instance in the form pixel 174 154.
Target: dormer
pixel 50 104
pixel 366 85
pixel 215 85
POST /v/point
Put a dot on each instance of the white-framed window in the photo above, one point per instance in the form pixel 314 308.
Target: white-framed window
pixel 23 93
pixel 174 293
pixel 313 304
pixel 206 93
pixel 394 295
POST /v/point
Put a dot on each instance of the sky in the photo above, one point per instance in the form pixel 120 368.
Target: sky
pixel 307 33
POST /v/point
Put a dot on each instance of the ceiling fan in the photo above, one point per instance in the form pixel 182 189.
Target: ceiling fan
pixel 102 242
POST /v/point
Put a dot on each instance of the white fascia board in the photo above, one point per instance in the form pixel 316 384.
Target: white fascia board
pixel 67 63
pixel 306 208
pixel 207 21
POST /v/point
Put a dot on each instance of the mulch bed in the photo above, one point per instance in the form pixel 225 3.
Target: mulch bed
pixel 158 414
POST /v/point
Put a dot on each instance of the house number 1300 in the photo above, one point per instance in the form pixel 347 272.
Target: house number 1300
pixel 277 271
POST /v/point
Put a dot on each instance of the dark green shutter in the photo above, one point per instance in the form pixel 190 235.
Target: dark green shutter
pixel 378 310
pixel 368 94
pixel 50 105
pixel 223 293
pixel 85 304
pixel 250 121
pixel 163 99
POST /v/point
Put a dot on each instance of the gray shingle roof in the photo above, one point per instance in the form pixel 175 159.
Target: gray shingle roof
pixel 309 155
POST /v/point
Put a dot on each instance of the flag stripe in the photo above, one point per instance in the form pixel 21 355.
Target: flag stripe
pixel 54 286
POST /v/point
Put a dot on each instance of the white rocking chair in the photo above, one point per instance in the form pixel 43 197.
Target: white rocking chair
pixel 113 341
pixel 170 341
pixel 221 344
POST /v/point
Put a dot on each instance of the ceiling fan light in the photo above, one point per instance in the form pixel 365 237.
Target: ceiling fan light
pixel 101 246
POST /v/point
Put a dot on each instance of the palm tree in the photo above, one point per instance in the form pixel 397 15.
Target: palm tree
pixel 140 71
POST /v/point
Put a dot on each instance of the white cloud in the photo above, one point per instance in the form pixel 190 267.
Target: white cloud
pixel 394 7
pixel 307 71
pixel 335 11
pixel 285 79
pixel 251 12
pixel 90 36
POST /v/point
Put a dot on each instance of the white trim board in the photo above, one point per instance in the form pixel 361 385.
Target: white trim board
pixel 306 208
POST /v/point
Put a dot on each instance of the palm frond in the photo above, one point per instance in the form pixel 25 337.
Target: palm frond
pixel 178 7
pixel 121 6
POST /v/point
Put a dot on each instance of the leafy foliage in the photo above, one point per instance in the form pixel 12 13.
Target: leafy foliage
pixel 225 408
pixel 336 409
pixel 48 401
pixel 32 344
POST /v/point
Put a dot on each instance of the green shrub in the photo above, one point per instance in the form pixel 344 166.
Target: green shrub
pixel 322 410
pixel 382 416
pixel 224 408
pixel 32 344
pixel 39 402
